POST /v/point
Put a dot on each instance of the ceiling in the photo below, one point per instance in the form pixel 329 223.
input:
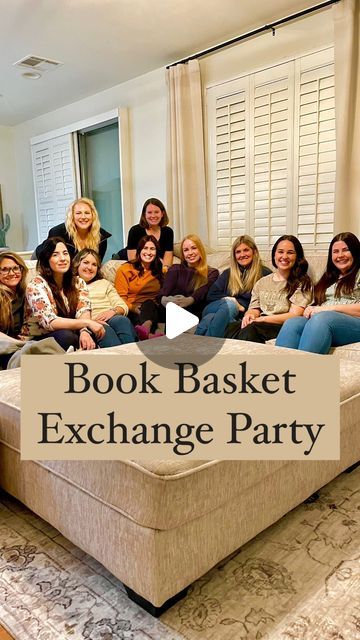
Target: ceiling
pixel 102 43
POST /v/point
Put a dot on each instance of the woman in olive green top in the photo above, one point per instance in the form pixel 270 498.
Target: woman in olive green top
pixel 334 318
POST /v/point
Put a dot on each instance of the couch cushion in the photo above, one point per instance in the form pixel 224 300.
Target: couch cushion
pixel 31 265
pixel 110 268
pixel 349 351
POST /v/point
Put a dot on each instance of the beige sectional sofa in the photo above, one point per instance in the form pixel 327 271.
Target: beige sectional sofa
pixel 159 525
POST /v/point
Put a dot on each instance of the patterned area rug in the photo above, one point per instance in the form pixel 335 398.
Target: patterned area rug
pixel 298 580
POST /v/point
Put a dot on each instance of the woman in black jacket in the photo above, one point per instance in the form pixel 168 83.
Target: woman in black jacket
pixel 81 229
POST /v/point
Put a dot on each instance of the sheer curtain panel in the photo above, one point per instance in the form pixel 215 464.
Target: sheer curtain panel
pixel 347 105
pixel 185 166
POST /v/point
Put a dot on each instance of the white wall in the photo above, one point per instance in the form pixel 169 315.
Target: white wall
pixel 307 34
pixel 8 182
pixel 145 98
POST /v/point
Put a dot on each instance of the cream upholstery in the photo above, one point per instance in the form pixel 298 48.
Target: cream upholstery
pixel 161 524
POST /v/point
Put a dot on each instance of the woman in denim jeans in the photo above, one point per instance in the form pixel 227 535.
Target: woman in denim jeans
pixel 106 304
pixel 229 296
pixel 334 318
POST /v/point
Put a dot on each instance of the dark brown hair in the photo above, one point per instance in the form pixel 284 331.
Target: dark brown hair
pixel 156 265
pixel 157 203
pixel 298 275
pixel 346 283
pixel 69 280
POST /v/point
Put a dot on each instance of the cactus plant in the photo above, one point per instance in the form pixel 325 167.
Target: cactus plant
pixel 4 228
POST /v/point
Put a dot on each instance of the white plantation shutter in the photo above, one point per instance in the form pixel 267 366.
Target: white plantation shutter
pixel 54 181
pixel 316 149
pixel 272 119
pixel 271 153
pixel 229 181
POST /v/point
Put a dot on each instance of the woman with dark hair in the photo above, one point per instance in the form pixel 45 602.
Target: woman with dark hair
pixel 58 301
pixel 187 284
pixel 334 318
pixel 138 284
pixel 153 222
pixel 278 296
pixel 106 304
pixel 229 297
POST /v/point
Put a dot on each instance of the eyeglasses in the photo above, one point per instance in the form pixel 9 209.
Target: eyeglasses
pixel 5 271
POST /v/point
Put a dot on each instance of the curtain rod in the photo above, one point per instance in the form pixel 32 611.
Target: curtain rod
pixel 271 26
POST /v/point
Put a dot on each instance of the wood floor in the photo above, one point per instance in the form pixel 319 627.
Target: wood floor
pixel 4 635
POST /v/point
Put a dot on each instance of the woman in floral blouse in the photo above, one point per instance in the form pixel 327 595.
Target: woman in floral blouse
pixel 57 301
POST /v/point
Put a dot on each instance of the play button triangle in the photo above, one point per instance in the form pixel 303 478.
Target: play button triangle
pixel 178 320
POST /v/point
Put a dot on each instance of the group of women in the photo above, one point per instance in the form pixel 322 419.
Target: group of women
pixel 69 300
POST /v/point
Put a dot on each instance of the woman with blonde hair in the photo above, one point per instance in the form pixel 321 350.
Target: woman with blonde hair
pixel 81 229
pixel 229 297
pixel 187 284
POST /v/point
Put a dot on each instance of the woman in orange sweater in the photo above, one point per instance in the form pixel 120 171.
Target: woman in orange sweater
pixel 138 283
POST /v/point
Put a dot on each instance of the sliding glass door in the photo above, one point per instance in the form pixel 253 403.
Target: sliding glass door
pixel 100 178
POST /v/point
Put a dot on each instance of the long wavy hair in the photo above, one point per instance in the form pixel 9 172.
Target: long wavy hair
pixel 241 280
pixel 345 284
pixel 156 265
pixel 157 203
pixel 201 268
pixel 7 294
pixel 6 316
pixel 69 288
pixel 93 236
pixel 84 253
pixel 298 275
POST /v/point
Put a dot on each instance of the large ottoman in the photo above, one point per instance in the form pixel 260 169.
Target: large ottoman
pixel 160 525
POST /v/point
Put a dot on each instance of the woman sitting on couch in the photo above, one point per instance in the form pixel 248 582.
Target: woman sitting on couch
pixel 57 302
pixel 138 283
pixel 13 271
pixel 12 297
pixel 229 296
pixel 334 318
pixel 278 296
pixel 106 304
pixel 187 284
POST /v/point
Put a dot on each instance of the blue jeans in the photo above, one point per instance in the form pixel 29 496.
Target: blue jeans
pixel 321 332
pixel 118 330
pixel 216 317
